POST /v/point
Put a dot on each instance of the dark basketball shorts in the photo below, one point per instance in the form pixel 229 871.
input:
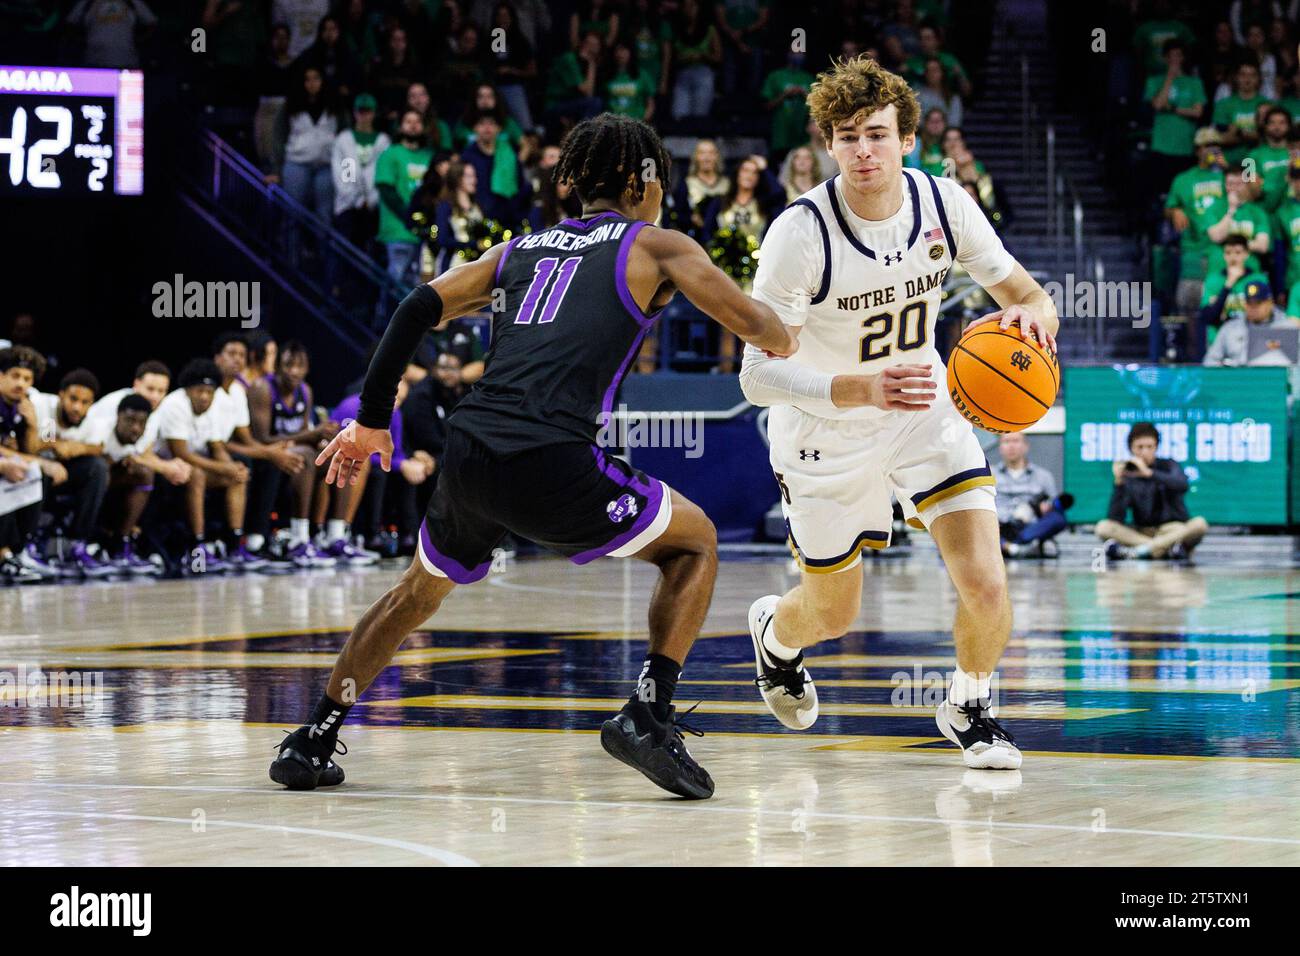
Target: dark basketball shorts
pixel 571 498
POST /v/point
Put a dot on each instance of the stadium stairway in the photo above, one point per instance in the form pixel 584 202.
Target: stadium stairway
pixel 994 129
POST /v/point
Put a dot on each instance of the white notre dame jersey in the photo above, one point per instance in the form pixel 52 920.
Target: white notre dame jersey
pixel 867 293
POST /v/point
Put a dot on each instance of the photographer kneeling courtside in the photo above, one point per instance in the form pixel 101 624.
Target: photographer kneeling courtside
pixel 1152 489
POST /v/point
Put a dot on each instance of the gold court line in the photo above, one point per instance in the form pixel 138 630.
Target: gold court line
pixel 507 702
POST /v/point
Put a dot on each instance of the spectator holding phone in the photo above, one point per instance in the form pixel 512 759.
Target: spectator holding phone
pixel 1152 489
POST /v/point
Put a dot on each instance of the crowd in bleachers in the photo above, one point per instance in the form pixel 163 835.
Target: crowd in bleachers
pixel 1223 157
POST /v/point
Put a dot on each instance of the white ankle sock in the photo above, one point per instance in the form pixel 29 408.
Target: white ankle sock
pixel 336 530
pixel 775 647
pixel 299 530
pixel 968 687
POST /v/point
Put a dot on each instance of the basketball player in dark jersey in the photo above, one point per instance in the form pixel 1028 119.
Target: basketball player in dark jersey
pixel 574 303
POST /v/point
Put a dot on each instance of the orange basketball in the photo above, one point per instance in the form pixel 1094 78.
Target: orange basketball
pixel 999 381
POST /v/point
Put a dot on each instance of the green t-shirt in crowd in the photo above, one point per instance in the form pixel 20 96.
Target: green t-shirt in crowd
pixel 566 75
pixel 1172 134
pixel 1249 220
pixel 403 169
pixel 790 118
pixel 1203 197
pixel 930 159
pixel 628 95
pixel 1234 111
pixel 1149 42
pixel 1234 306
pixel 1287 219
pixel 1271 163
pixel 1293 301
pixel 648 45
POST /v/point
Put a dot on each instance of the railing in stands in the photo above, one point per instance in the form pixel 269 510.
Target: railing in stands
pixel 327 272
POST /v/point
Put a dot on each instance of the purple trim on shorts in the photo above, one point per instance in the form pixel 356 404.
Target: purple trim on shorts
pixel 579 224
pixel 450 566
pixel 618 477
pixel 496 275
pixel 654 504
pixel 144 487
pixel 620 275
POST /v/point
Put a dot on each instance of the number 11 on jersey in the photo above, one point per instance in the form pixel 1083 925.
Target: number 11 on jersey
pixel 542 273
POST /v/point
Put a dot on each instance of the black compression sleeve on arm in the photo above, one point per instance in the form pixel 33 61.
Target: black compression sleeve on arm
pixel 417 314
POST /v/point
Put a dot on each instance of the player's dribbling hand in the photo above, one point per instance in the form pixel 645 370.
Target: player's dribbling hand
pixel 350 447
pixel 1031 324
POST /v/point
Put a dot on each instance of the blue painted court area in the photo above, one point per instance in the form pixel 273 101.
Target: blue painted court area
pixel 1066 691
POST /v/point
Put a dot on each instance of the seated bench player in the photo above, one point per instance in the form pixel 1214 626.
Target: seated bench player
pixel 133 467
pixel 188 430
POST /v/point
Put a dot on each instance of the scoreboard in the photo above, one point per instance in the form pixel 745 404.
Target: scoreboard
pixel 71 131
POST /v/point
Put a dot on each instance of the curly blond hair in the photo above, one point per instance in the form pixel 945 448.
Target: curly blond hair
pixel 861 86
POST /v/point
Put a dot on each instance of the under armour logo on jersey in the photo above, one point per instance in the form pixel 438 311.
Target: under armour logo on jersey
pixel 809 454
pixel 892 258
pixel 1020 360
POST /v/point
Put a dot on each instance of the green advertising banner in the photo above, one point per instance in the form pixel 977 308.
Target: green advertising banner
pixel 1226 427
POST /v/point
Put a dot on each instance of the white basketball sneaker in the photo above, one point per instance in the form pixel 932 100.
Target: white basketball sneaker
pixel 786 687
pixel 984 743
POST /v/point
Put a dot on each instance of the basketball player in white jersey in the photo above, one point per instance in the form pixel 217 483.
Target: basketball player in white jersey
pixel 855 267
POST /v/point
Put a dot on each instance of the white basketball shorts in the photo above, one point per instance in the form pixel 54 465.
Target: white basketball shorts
pixel 837 478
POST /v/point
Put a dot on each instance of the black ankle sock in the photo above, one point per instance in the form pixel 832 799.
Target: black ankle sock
pixel 326 718
pixel 657 683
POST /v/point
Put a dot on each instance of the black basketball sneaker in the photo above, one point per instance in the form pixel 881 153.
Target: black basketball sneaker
pixel 657 749
pixel 984 743
pixel 304 762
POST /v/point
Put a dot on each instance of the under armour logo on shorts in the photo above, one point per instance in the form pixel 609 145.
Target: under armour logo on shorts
pixel 809 454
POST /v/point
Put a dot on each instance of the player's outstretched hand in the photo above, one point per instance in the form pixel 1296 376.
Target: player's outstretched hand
pixel 350 447
pixel 1030 323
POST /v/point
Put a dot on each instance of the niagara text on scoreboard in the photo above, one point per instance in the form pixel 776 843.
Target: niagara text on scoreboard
pixel 71 131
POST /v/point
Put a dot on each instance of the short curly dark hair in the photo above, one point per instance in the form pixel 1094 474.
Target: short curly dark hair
pixel 22 356
pixel 608 155
pixel 1142 430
